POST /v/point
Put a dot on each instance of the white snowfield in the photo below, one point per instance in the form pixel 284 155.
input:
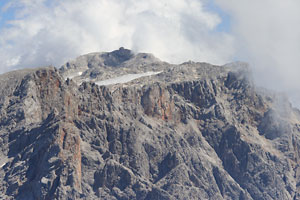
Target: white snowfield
pixel 72 75
pixel 3 161
pixel 126 78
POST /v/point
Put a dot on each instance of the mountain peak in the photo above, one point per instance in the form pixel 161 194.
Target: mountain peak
pixel 119 125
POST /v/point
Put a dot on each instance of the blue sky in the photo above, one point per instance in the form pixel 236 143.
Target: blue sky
pixel 225 25
pixel 5 15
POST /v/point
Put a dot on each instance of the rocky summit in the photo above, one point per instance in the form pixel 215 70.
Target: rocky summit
pixel 121 125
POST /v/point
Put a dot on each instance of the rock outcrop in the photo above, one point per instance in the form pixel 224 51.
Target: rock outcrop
pixel 191 131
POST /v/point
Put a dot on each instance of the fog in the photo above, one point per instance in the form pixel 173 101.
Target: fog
pixel 267 35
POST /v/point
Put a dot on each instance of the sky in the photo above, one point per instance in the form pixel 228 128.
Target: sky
pixel 264 33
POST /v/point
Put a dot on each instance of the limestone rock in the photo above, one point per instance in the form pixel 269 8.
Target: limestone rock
pixel 189 131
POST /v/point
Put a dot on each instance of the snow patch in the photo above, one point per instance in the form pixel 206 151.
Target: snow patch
pixel 1 165
pixel 72 75
pixel 44 180
pixel 126 78
pixel 3 161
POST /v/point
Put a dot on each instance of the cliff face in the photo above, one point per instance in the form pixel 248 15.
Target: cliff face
pixel 189 131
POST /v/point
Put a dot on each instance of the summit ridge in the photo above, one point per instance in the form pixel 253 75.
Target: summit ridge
pixel 187 131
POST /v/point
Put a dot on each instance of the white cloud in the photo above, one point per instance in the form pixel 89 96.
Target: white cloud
pixel 51 32
pixel 268 35
pixel 265 33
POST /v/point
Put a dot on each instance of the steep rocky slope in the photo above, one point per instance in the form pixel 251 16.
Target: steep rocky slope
pixel 189 131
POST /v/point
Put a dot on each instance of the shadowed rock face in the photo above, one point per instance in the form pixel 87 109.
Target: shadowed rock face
pixel 193 131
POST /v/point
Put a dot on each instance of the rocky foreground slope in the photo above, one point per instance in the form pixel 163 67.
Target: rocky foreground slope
pixel 189 131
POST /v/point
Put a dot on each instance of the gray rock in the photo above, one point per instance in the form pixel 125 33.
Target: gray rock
pixel 192 131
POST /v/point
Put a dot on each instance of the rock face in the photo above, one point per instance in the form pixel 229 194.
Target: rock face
pixel 191 131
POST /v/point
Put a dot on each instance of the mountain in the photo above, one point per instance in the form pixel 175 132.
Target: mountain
pixel 120 125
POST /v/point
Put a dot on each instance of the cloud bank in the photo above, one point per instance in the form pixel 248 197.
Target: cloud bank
pixel 48 32
pixel 267 35
pixel 264 33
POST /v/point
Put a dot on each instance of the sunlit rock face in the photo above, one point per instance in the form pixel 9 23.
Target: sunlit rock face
pixel 188 131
